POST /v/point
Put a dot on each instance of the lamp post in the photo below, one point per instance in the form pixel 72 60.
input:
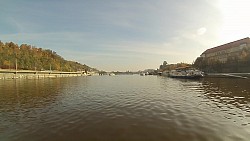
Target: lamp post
pixel 16 64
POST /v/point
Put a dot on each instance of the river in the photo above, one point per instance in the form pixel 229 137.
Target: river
pixel 125 108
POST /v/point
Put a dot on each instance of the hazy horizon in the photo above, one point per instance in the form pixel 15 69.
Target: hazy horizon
pixel 132 35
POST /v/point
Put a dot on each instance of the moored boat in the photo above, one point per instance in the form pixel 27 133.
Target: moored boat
pixel 142 74
pixel 111 74
pixel 186 72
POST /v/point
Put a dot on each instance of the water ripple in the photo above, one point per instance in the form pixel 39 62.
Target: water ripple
pixel 124 108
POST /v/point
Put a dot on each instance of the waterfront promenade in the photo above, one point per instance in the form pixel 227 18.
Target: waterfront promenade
pixel 32 74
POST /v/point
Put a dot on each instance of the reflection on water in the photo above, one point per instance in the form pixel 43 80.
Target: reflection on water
pixel 17 93
pixel 125 108
pixel 228 91
pixel 231 96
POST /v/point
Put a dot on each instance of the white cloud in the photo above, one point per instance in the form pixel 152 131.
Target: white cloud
pixel 201 31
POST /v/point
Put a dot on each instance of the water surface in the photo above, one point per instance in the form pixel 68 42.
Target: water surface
pixel 125 107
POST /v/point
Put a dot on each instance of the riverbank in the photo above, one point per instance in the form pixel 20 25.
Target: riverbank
pixel 228 75
pixel 30 74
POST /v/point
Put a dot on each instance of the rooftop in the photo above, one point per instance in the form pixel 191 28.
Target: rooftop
pixel 227 45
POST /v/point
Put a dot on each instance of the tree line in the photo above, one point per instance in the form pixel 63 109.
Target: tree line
pixel 27 57
pixel 168 67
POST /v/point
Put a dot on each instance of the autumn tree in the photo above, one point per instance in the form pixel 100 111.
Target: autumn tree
pixel 33 58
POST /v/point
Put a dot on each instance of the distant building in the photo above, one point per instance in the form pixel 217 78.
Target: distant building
pixel 232 51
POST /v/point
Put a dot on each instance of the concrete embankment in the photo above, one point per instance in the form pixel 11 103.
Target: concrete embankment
pixel 11 74
pixel 229 75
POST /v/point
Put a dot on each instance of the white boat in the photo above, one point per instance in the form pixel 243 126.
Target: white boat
pixel 186 72
pixel 165 73
pixel 111 74
pixel 142 74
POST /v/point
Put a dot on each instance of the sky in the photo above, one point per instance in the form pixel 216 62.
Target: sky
pixel 125 35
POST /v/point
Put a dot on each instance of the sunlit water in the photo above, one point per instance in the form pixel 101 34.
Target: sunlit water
pixel 125 108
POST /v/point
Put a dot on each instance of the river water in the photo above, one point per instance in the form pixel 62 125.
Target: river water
pixel 125 108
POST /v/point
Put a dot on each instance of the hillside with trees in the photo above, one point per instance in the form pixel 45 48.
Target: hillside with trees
pixel 168 67
pixel 28 57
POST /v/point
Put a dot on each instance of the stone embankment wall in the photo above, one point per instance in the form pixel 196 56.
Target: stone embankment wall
pixel 34 76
